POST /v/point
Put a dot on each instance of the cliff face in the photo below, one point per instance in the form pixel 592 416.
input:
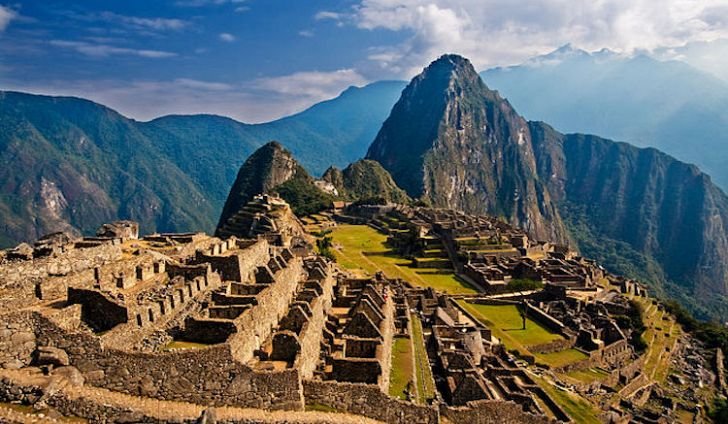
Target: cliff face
pixel 71 165
pixel 664 209
pixel 455 143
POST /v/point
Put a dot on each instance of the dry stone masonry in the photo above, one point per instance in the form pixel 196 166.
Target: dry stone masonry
pixel 251 326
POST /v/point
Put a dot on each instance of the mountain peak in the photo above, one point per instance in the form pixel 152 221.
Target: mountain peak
pixel 268 167
pixel 451 66
pixel 444 127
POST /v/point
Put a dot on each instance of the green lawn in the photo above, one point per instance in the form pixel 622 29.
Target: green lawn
pixel 578 408
pixel 559 359
pixel 506 323
pixel 425 383
pixel 402 367
pixel 360 247
pixel 588 375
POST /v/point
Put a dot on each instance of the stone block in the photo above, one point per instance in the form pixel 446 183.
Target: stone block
pixel 48 355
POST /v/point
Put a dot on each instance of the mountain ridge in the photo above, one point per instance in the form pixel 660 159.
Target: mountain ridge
pixel 607 195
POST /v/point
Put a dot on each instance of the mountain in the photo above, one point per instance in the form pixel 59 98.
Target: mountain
pixel 668 105
pixel 453 142
pixel 365 179
pixel 272 169
pixel 71 165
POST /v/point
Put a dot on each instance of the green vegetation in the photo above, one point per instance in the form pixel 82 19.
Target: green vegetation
pixel 367 179
pixel 588 375
pixel 578 408
pixel 506 323
pixel 303 196
pixel 425 383
pixel 561 358
pixel 718 412
pixel 401 376
pixel 362 248
pixel 519 284
pixel 324 246
pixel 712 334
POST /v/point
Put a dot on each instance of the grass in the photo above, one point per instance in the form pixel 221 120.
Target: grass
pixel 588 375
pixel 425 383
pixel 506 323
pixel 578 408
pixel 657 360
pixel 402 368
pixel 561 358
pixel 363 249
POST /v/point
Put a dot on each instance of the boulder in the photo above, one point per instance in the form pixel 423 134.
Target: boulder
pixel 72 374
pixel 48 355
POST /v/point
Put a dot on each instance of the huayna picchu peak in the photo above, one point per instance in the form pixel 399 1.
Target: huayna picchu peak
pixel 455 143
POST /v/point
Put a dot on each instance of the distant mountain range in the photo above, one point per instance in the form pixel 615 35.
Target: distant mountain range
pixel 71 164
pixel 667 105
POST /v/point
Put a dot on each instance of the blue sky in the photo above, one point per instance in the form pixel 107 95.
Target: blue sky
pixel 256 60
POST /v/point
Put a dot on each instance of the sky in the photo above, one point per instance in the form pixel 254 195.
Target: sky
pixel 257 60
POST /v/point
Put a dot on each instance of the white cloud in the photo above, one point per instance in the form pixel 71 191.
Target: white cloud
pixel 6 15
pixel 157 24
pixel 306 33
pixel 710 56
pixel 105 50
pixel 324 14
pixel 260 100
pixel 498 32
pixel 314 85
pixel 203 85
pixel 201 3
pixel 227 37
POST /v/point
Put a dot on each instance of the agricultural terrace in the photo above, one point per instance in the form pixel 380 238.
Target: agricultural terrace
pixel 363 250
pixel 506 323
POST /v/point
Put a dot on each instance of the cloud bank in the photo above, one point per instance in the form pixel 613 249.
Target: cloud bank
pixel 498 32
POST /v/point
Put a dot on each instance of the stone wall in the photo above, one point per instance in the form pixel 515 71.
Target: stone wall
pixel 17 340
pixel 367 400
pixel 312 333
pixel 257 324
pixel 545 319
pixel 555 346
pixel 491 412
pixel 209 376
pixel 388 332
pixel 25 281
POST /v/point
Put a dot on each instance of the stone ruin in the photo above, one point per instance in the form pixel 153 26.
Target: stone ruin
pixel 251 326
